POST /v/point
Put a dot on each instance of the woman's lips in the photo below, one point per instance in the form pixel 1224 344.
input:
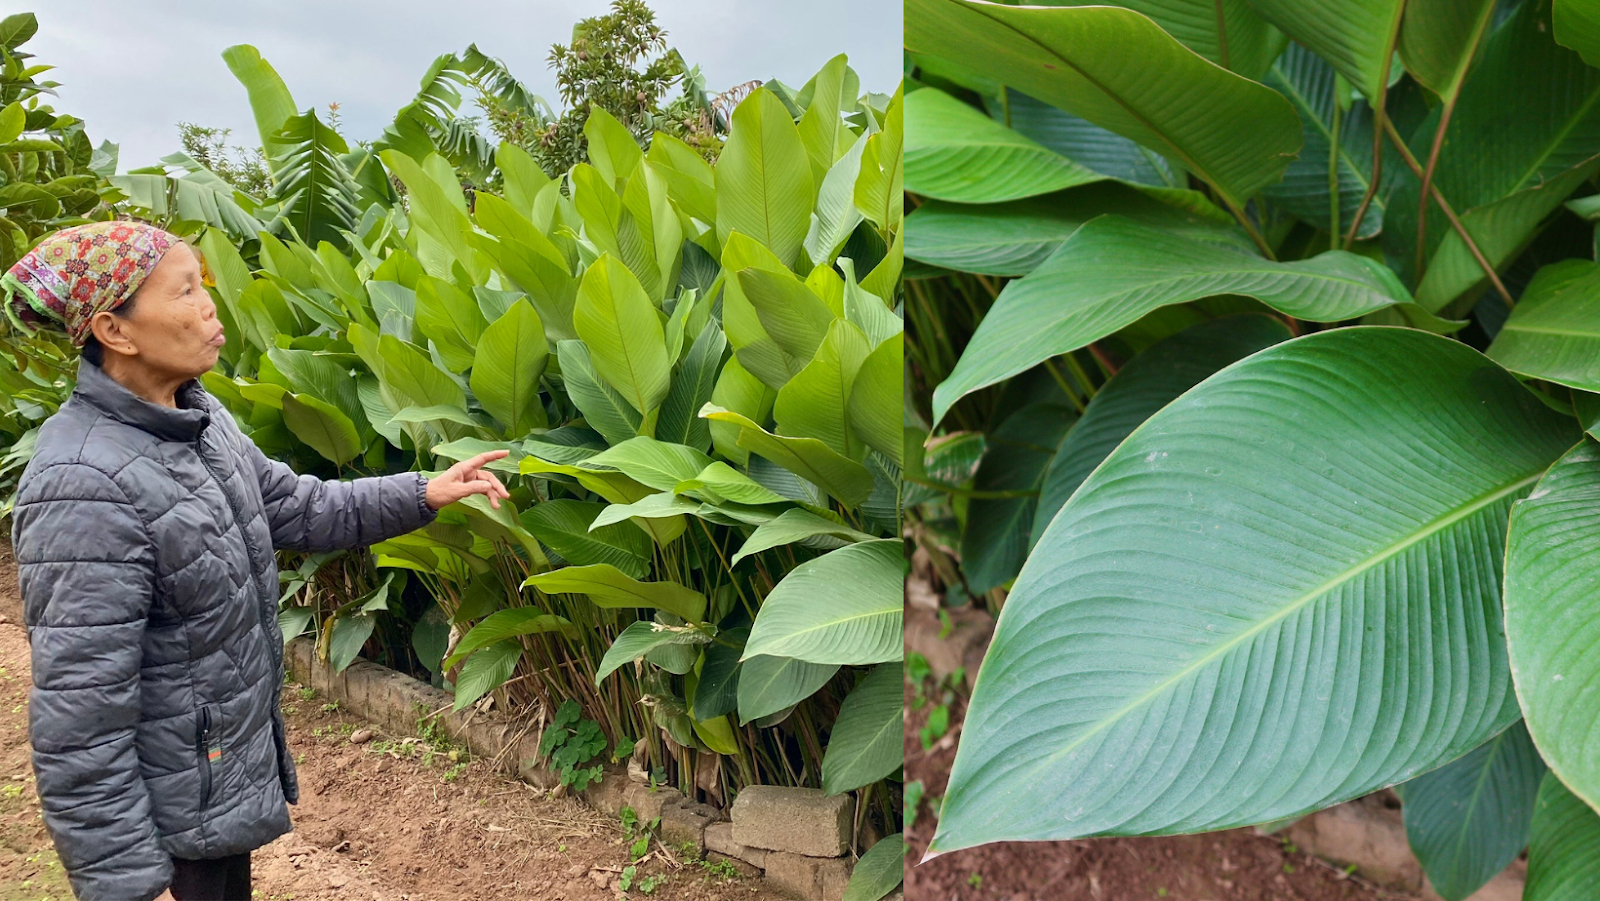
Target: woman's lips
pixel 219 338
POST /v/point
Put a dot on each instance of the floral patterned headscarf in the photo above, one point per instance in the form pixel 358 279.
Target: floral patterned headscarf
pixel 80 271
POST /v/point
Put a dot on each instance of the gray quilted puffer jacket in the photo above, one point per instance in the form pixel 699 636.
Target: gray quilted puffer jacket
pixel 144 539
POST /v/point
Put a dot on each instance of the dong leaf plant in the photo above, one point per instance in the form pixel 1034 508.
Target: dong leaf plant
pixel 696 370
pixel 1253 352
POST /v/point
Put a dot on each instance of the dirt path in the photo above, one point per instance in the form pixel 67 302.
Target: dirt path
pixel 387 820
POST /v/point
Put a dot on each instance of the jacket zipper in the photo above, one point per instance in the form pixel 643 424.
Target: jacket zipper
pixel 202 748
pixel 267 621
pixel 244 534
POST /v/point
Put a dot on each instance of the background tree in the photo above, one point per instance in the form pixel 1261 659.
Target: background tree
pixel 621 63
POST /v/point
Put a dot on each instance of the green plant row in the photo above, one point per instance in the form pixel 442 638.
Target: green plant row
pixel 696 371
pixel 1253 380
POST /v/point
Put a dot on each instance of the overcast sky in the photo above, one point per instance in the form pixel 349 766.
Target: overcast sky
pixel 134 70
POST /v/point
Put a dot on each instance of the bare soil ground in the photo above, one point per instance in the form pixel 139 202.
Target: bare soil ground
pixel 1238 865
pixel 387 820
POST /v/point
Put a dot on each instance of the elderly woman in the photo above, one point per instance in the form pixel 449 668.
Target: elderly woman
pixel 144 530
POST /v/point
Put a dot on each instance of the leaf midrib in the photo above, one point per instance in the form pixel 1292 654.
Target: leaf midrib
pixel 1461 513
pixel 1478 784
pixel 1179 152
pixel 827 624
pixel 1539 330
pixel 1267 269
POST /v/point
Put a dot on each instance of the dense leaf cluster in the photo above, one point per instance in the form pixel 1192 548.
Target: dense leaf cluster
pixel 1256 345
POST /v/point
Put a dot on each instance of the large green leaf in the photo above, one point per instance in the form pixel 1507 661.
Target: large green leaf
pixel 720 482
pixel 1562 865
pixel 880 183
pixel 563 524
pixel 1147 383
pixel 641 638
pixel 843 607
pixel 485 671
pixel 317 195
pixel 1013 238
pixel 878 871
pixel 449 317
pixel 789 311
pixel 999 530
pixel 1553 616
pixel 808 458
pixel 815 403
pixel 647 461
pixel 1084 142
pixel 832 89
pixel 511 355
pixel 348 635
pixel 1308 82
pixel 1113 271
pixel 768 685
pixel 612 148
pixel 603 408
pixel 615 318
pixel 1356 36
pixel 876 399
pixel 610 587
pixel 503 624
pixel 955 152
pixel 441 230
pixel 1272 597
pixel 763 178
pixel 323 426
pixel 1438 39
pixel 1469 819
pixel 1078 58
pixel 322 376
pixel 270 100
pixel 836 213
pixel 1227 32
pixel 1554 333
pixel 692 387
pixel 868 738
pixel 406 370
pixel 798 526
pixel 737 391
pixel 1577 25
pixel 198 196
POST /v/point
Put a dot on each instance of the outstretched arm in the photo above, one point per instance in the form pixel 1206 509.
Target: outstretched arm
pixel 311 514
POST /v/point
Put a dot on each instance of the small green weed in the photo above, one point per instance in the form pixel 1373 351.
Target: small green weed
pixel 574 745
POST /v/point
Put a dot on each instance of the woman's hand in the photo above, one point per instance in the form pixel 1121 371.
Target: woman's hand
pixel 166 896
pixel 464 480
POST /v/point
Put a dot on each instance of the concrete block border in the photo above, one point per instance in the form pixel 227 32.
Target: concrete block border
pixel 1368 832
pixel 397 702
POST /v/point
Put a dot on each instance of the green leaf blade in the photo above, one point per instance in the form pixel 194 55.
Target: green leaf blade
pixel 1553 618
pixel 1076 58
pixel 841 608
pixel 1113 271
pixel 1467 820
pixel 1201 638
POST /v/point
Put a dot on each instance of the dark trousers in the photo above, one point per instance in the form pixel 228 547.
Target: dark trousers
pixel 223 879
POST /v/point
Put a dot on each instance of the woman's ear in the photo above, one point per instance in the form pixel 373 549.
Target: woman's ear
pixel 112 333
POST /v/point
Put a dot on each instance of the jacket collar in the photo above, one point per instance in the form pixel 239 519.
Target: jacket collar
pixel 108 396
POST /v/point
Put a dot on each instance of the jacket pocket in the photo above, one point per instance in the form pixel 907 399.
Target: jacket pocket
pixel 208 748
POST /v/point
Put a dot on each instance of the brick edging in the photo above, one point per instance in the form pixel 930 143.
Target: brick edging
pixel 397 701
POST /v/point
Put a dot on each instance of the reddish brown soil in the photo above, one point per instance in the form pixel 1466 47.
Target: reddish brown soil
pixel 1238 865
pixel 384 820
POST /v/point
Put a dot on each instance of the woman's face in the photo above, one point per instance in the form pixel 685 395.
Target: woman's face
pixel 172 329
